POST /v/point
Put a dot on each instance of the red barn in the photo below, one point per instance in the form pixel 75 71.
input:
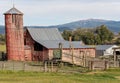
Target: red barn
pixel 38 44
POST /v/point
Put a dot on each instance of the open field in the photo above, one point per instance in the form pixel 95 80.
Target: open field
pixel 109 76
pixel 3 48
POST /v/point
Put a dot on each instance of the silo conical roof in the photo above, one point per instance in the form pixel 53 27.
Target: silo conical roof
pixel 13 11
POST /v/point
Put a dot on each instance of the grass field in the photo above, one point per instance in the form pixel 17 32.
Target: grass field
pixel 109 76
pixel 3 48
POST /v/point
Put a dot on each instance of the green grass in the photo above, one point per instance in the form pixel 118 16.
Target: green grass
pixel 3 48
pixel 109 76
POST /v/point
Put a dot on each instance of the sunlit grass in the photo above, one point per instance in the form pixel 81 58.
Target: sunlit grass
pixel 3 48
pixel 110 76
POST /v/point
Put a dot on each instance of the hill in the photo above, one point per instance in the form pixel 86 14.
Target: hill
pixel 2 29
pixel 90 23
pixel 114 26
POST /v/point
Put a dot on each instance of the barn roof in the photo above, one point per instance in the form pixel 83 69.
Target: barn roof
pixel 103 47
pixel 65 44
pixel 45 34
pixel 13 11
pixel 51 37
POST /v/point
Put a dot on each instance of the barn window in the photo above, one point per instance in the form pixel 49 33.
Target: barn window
pixel 38 47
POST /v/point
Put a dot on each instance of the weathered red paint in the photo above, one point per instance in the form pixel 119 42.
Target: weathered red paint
pixel 35 55
pixel 14 36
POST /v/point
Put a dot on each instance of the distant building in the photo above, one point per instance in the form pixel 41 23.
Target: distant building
pixel 39 44
pixel 105 50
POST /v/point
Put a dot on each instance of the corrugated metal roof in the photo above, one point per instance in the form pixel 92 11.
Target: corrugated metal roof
pixel 13 11
pixel 51 37
pixel 103 47
pixel 65 44
pixel 45 34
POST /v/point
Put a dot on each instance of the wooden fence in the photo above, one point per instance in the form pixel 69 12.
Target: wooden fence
pixel 98 65
pixel 20 66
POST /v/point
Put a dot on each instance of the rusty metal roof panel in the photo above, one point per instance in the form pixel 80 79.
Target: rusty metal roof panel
pixel 45 34
pixel 13 11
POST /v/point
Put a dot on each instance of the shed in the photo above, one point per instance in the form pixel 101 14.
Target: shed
pixel 104 50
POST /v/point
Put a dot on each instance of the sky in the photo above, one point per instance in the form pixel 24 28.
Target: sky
pixel 54 12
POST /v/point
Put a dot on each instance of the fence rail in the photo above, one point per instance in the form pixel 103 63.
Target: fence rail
pixel 20 66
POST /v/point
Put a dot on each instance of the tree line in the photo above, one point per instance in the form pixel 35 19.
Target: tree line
pixel 94 36
pixel 2 39
pixel 90 36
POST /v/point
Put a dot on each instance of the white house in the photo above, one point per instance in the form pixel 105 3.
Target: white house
pixel 104 50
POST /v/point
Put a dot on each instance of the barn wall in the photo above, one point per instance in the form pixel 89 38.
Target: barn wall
pixel 28 55
pixel 99 53
pixel 50 54
pixel 40 55
pixel 90 52
pixel 36 55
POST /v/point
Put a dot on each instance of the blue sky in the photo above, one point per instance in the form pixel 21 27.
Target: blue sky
pixel 54 12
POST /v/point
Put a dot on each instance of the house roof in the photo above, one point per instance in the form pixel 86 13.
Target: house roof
pixel 51 37
pixel 13 11
pixel 103 47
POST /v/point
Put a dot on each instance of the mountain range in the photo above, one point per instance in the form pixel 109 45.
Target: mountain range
pixel 114 26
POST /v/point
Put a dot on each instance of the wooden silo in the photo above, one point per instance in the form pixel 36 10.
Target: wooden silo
pixel 14 34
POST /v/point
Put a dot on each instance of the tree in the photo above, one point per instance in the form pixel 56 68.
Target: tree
pixel 88 38
pixel 2 39
pixel 99 35
pixel 104 33
pixel 97 39
pixel 78 34
pixel 66 34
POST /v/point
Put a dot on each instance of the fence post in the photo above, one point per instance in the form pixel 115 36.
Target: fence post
pixel 40 65
pixel 13 65
pixel 72 55
pixel 45 66
pixel 3 66
pixel 84 59
pixel 61 50
pixel 90 65
pixel 106 65
pixel 114 58
pixel 23 66
pixel 51 66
